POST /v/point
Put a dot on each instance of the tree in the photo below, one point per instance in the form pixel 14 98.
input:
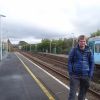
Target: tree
pixel 97 33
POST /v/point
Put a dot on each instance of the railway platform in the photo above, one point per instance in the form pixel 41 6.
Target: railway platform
pixel 16 83
pixel 21 79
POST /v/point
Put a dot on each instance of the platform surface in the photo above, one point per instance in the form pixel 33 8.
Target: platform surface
pixel 16 83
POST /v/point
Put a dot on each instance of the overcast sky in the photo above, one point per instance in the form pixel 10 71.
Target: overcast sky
pixel 33 20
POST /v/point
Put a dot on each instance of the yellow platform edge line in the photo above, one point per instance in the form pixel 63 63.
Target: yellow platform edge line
pixel 37 81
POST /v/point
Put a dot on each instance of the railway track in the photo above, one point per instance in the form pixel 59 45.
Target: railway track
pixel 61 61
pixel 56 70
pixel 53 61
pixel 97 66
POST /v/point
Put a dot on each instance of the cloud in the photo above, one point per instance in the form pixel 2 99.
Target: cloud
pixel 38 19
pixel 87 17
pixel 17 32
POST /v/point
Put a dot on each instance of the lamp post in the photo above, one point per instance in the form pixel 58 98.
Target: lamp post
pixel 1 37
